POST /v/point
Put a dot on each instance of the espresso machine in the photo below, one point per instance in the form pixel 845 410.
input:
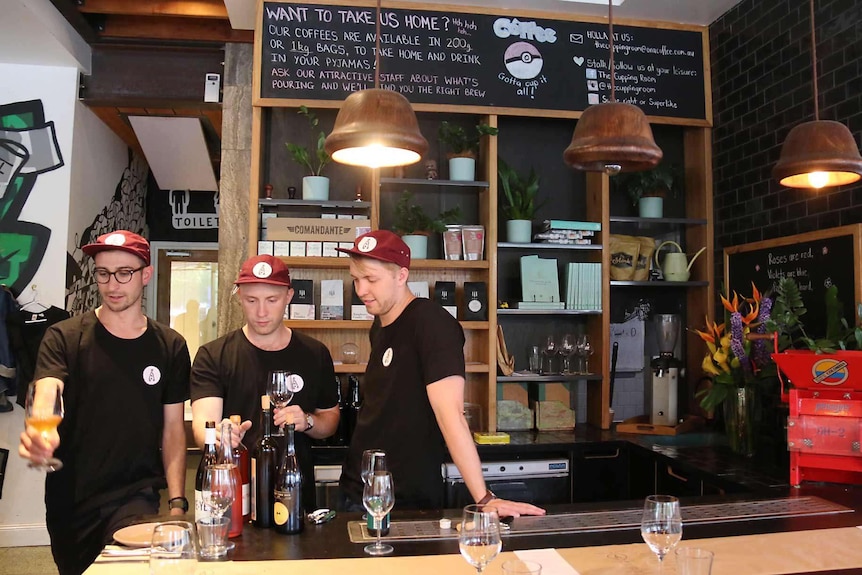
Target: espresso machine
pixel 662 392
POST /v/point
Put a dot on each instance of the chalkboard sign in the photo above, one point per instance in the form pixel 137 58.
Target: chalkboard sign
pixel 321 52
pixel 815 260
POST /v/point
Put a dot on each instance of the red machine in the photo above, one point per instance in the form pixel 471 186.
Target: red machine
pixel 824 429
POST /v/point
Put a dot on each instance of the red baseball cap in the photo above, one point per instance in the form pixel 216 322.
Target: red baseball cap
pixel 381 245
pixel 264 269
pixel 122 240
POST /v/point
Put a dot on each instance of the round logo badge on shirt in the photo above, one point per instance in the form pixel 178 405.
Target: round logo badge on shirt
pixel 115 240
pixel 295 382
pixel 366 244
pixel 387 357
pixel 262 270
pixel 152 375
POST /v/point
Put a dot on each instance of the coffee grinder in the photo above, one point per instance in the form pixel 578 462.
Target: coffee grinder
pixel 662 396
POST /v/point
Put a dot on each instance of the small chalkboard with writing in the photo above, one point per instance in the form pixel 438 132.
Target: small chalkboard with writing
pixel 816 260
pixel 484 61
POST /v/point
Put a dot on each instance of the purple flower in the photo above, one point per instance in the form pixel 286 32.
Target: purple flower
pixel 736 344
pixel 760 354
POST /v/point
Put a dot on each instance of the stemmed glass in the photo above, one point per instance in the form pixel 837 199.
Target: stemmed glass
pixel 479 540
pixel 280 391
pixel 44 411
pixel 173 549
pixel 217 488
pixel 661 526
pixel 584 349
pixel 378 497
pixel 566 349
pixel 548 351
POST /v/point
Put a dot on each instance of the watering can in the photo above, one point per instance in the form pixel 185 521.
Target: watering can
pixel 675 267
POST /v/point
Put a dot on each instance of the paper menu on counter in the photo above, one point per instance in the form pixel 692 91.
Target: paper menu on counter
pixel 552 562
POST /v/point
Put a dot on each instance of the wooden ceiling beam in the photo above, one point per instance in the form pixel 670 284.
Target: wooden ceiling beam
pixel 174 29
pixel 181 8
pixel 115 119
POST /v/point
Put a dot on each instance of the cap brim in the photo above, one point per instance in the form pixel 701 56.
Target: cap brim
pixel 354 252
pixel 260 281
pixel 93 249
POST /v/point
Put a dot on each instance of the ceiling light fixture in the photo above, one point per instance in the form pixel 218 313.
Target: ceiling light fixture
pixel 818 154
pixel 612 137
pixel 376 128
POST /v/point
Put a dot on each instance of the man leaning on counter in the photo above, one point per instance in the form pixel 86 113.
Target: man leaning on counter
pixel 413 407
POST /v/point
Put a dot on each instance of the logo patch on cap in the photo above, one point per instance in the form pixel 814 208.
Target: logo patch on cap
pixel 366 244
pixel 115 240
pixel 262 270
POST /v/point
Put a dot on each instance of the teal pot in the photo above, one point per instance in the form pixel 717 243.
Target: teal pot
pixel 418 245
pixel 650 207
pixel 519 231
pixel 315 188
pixel 462 169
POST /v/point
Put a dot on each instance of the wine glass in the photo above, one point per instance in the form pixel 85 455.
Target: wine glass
pixel 585 350
pixel 44 411
pixel 174 550
pixel 280 391
pixel 566 349
pixel 217 489
pixel 378 497
pixel 479 540
pixel 661 526
pixel 548 351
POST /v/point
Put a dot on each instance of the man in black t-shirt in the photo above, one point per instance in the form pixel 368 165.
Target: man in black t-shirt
pixel 124 379
pixel 413 406
pixel 230 374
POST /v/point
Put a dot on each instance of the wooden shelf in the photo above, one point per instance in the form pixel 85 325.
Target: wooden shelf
pixel 449 264
pixel 350 367
pixel 315 262
pixel 475 325
pixel 547 378
pixel 275 202
pixel 478 368
pixel 658 284
pixel 538 246
pixel 446 183
pixel 548 312
pixel 328 324
pixel 650 222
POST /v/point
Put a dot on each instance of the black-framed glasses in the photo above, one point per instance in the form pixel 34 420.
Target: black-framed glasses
pixel 122 276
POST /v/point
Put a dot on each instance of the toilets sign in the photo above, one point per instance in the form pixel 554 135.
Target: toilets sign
pixel 183 218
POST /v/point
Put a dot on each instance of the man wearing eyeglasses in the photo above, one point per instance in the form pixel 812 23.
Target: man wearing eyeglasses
pixel 124 379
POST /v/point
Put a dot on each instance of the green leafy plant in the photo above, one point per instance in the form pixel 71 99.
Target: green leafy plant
pixel 302 155
pixel 461 143
pixel 519 193
pixel 410 218
pixel 662 180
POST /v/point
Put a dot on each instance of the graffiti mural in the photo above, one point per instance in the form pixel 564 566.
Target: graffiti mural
pixel 28 147
pixel 126 211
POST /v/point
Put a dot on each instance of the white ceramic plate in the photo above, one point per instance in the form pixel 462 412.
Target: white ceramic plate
pixel 140 535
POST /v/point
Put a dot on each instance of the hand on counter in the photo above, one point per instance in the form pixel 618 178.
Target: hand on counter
pixel 506 508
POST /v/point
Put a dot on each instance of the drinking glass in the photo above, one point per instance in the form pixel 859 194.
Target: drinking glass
pixel 585 349
pixel 566 349
pixel 694 561
pixel 661 525
pixel 373 460
pixel 217 488
pixel 479 540
pixel 174 551
pixel 44 411
pixel 549 349
pixel 378 497
pixel 280 391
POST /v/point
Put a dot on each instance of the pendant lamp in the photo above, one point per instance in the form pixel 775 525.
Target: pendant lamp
pixel 612 137
pixel 376 128
pixel 821 153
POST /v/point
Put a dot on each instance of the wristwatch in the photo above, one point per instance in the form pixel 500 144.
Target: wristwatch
pixel 309 421
pixel 179 503
pixel 489 495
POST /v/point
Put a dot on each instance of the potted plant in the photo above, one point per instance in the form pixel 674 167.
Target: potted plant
pixel 648 189
pixel 519 199
pixel 463 148
pixel 314 186
pixel 414 225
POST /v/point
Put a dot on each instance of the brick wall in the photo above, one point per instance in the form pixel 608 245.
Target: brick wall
pixel 761 88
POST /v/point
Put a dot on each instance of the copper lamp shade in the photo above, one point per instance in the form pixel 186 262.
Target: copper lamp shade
pixel 377 129
pixel 612 137
pixel 818 154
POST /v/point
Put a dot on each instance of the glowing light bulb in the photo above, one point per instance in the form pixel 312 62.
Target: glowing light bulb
pixel 818 179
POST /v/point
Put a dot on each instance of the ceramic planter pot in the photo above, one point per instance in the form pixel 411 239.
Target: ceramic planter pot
pixel 462 169
pixel 519 231
pixel 315 188
pixel 650 207
pixel 418 245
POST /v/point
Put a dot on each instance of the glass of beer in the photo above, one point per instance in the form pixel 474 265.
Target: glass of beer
pixel 44 412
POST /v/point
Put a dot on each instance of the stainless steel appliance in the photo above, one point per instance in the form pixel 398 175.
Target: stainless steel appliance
pixel 326 485
pixel 662 391
pixel 541 481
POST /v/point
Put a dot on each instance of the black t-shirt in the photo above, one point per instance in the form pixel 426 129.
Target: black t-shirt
pixel 114 393
pixel 234 369
pixel 424 345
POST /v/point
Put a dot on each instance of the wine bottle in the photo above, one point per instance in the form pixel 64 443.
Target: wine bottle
pixel 208 458
pixel 339 438
pixel 263 464
pixel 241 455
pixel 226 457
pixel 354 405
pixel 287 510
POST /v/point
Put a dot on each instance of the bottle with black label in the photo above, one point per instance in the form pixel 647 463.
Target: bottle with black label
pixel 263 465
pixel 208 458
pixel 339 438
pixel 287 514
pixel 354 404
